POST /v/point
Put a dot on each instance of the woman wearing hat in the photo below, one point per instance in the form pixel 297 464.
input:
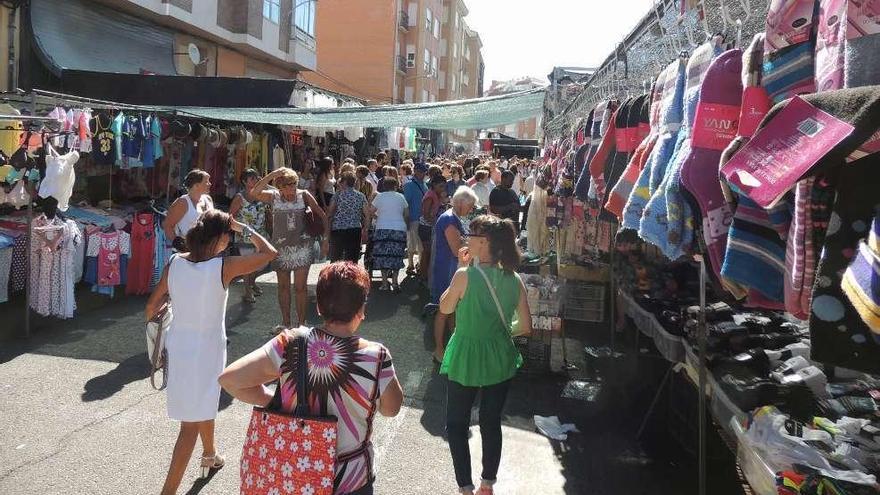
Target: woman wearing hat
pixel 186 210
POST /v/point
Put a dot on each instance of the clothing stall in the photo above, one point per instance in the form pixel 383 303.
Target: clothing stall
pixel 101 174
pixel 730 188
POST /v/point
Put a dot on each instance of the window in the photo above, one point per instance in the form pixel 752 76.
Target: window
pixel 427 60
pixel 410 60
pixel 424 95
pixel 434 66
pixel 457 19
pixel 454 82
pixel 467 53
pixel 408 94
pixel 272 10
pixel 455 50
pixel 429 20
pixel 436 28
pixel 304 18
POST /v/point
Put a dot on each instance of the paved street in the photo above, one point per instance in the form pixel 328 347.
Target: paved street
pixel 78 415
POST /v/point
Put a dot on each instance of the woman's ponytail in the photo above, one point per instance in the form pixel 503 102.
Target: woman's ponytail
pixel 501 235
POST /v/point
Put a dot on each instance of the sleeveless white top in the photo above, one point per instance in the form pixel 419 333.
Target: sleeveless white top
pixel 191 216
pixel 197 338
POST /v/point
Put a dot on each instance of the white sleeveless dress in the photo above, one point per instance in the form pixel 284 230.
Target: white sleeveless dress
pixel 197 338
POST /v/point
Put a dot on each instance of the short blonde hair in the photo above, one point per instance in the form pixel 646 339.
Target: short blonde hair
pixel 289 176
pixel 346 167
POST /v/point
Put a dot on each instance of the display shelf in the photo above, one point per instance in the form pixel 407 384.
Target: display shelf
pixel 670 346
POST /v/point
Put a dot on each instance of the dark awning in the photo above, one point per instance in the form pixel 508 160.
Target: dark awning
pixel 179 91
pixel 87 36
pixel 89 49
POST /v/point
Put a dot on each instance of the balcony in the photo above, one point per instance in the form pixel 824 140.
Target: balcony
pixel 401 64
pixel 403 22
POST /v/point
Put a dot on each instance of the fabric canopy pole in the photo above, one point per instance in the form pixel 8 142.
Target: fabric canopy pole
pixel 478 113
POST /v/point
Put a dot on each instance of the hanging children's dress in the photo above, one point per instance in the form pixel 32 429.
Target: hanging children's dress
pixel 143 246
pixel 51 277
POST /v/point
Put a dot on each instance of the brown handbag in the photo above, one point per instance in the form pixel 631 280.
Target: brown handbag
pixel 314 226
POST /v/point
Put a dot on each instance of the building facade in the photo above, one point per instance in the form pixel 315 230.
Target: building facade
pixel 524 129
pixel 125 39
pixel 397 51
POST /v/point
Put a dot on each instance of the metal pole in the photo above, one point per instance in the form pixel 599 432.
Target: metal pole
pixel 613 294
pixel 30 240
pixel 11 83
pixel 701 338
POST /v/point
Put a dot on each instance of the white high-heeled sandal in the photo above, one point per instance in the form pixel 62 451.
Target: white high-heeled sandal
pixel 210 462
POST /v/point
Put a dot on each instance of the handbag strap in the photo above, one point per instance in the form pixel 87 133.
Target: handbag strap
pixel 302 382
pixel 302 375
pixel 494 296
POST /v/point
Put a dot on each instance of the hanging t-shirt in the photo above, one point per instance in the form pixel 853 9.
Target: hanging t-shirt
pixel 148 153
pixel 117 129
pixel 132 140
pixel 104 140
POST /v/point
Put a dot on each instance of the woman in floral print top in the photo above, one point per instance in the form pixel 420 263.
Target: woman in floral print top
pixel 344 371
pixel 247 210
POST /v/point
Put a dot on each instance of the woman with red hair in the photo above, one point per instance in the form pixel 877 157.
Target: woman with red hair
pixel 346 372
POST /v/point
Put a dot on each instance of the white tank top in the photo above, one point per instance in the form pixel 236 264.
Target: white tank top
pixel 189 219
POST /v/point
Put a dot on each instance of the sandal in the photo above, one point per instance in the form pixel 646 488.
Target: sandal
pixel 257 290
pixel 210 463
pixel 249 298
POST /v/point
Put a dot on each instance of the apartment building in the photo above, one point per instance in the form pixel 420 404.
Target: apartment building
pixel 211 39
pixel 397 51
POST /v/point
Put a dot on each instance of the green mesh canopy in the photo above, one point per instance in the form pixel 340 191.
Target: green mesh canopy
pixel 479 113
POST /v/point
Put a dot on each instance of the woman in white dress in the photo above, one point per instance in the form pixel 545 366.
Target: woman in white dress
pixel 185 210
pixel 197 282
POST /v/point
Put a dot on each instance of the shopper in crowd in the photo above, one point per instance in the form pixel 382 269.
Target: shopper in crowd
pixel 504 202
pixel 249 211
pixel 197 284
pixel 348 372
pixel 456 180
pixel 349 218
pixel 432 205
pixel 517 180
pixel 186 210
pixel 481 188
pixel 486 295
pixel 414 192
pixel 382 159
pixel 325 184
pixel 345 167
pixel 449 231
pixel 362 183
pixel 434 171
pixel 389 239
pixel 406 173
pixel 373 166
pixel 295 246
pixel 389 171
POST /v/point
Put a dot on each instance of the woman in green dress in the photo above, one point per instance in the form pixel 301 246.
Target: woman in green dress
pixel 481 357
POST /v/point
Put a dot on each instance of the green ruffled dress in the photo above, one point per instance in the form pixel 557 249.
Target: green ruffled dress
pixel 481 351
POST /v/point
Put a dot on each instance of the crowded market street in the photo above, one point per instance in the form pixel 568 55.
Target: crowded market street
pixel 82 418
